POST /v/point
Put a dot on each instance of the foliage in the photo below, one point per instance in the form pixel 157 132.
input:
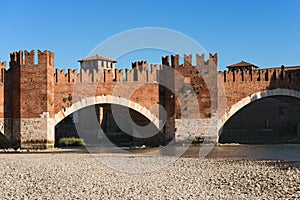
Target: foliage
pixel 71 141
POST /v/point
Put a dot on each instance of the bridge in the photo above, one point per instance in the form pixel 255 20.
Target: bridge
pixel 35 98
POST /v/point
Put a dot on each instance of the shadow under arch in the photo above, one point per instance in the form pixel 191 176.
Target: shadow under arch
pixel 4 142
pixel 105 99
pixel 251 98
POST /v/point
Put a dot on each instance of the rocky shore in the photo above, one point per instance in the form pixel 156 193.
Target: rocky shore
pixel 83 176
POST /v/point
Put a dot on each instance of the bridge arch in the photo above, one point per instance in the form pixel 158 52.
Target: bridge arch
pixel 251 98
pixel 105 99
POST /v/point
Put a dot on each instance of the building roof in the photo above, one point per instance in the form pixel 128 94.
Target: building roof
pixel 242 64
pixel 97 57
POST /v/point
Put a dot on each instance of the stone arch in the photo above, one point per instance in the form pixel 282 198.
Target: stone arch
pixel 105 99
pixel 251 98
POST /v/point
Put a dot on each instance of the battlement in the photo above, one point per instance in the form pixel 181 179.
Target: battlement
pixel 188 61
pixel 140 65
pixel 3 65
pixel 69 77
pixel 25 58
pixel 214 58
pixel 140 72
pixel 106 76
pixel 257 75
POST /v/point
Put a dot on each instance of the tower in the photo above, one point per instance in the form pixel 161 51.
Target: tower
pixel 32 99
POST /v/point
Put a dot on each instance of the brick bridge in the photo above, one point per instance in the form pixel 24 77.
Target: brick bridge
pixel 34 99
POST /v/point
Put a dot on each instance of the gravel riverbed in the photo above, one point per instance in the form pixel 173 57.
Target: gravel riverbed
pixel 83 176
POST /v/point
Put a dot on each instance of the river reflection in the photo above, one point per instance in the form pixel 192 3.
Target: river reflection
pixel 288 152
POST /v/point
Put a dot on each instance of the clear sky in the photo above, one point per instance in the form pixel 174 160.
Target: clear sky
pixel 263 32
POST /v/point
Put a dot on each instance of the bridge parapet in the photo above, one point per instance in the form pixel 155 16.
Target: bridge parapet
pixel 240 84
pixel 262 75
pixel 108 75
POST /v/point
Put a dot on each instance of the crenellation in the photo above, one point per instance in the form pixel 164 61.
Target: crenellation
pixel 25 58
pixel 153 74
pixel 45 58
pixel 108 76
pixel 145 66
pixel 174 61
pixel 129 75
pixel 2 75
pixel 78 78
pixel 247 75
pixel 59 76
pixel 165 60
pixel 95 75
pixel 3 65
pixel 154 67
pixel 85 75
pixel 222 76
pixel 71 76
pixel 29 58
pixel 230 76
pixel 279 74
pixel 238 76
pixel 234 76
pixel 214 58
pixel 16 59
pixel 135 65
pixel 119 75
pixel 265 75
pixel 273 75
pixel 293 77
pixel 2 71
pixel 140 65
pixel 200 60
pixel 187 62
pixel 141 75
pixel 256 75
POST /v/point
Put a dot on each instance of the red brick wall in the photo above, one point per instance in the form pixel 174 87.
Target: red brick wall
pixel 32 83
pixel 239 85
pixel 87 83
pixel 31 89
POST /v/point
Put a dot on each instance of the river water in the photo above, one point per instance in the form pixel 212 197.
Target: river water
pixel 287 152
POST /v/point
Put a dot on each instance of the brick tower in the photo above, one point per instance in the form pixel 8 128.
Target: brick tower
pixel 32 99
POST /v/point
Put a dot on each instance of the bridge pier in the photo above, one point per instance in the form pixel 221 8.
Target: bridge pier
pixel 37 133
pixel 196 130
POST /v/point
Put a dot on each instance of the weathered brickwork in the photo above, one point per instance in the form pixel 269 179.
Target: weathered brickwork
pixel 239 85
pixel 33 99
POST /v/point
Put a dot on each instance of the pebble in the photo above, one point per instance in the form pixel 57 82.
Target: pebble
pixel 82 176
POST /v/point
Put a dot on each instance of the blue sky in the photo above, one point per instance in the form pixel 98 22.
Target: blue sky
pixel 264 32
